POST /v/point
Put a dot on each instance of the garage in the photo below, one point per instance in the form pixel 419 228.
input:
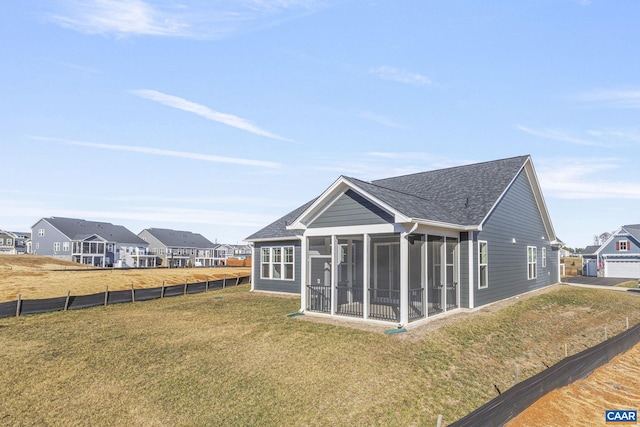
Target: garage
pixel 623 268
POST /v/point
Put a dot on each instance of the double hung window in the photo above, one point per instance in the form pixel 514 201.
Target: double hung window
pixel 532 262
pixel 277 263
pixel 483 265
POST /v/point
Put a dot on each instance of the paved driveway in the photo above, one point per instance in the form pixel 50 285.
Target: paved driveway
pixel 598 281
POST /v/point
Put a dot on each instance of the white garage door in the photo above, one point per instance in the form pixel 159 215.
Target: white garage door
pixel 626 269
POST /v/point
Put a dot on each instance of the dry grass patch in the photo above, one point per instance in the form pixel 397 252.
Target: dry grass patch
pixel 36 277
pixel 201 360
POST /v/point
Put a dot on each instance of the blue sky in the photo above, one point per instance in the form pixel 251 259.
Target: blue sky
pixel 219 117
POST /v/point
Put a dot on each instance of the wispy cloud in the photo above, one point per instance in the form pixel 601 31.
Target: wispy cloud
pixel 592 137
pixel 188 18
pixel 587 178
pixel 376 165
pixel 161 152
pixel 557 135
pixel 147 215
pixel 206 112
pixel 400 75
pixel 119 17
pixel 618 98
pixel 382 120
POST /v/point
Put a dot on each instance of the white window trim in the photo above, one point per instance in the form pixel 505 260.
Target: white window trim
pixel 480 242
pixel 626 245
pixel 544 257
pixel 41 232
pixel 534 263
pixel 282 263
pixel 65 246
pixel 56 246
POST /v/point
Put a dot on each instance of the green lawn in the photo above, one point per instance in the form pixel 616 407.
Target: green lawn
pixel 205 361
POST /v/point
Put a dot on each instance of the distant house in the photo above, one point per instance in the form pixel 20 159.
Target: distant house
pixel 174 248
pixel 590 261
pixel 412 247
pixel 618 256
pixel 226 251
pixel 13 242
pixel 94 243
pixel 241 251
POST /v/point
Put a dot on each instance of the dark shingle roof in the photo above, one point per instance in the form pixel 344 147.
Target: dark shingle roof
pixel 180 239
pixel 590 250
pixel 78 229
pixel 278 228
pixel 461 195
pixel 464 193
pixel 634 230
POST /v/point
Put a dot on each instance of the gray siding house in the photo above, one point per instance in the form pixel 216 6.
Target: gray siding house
pixel 13 242
pixel 174 248
pixel 412 247
pixel 618 256
pixel 100 244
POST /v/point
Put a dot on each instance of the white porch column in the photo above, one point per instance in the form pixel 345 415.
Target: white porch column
pixel 471 251
pixel 334 273
pixel 253 264
pixel 303 273
pixel 404 279
pixel 366 242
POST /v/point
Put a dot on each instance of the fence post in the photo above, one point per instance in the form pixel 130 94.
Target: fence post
pixel 224 280
pixel 237 279
pixel 627 322
pixel 106 295
pixel 133 293
pixel 162 290
pixel 185 287
pixel 439 420
pixel 18 305
pixel 566 350
pixel 66 302
pixel 206 286
pixel 605 333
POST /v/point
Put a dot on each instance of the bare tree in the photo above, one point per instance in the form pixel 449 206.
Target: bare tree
pixel 604 237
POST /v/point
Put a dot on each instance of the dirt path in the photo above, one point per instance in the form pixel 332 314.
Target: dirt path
pixel 615 385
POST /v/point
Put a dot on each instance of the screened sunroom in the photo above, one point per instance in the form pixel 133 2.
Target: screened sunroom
pixel 393 277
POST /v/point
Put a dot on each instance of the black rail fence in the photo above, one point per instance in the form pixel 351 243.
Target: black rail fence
pixel 512 402
pixel 75 302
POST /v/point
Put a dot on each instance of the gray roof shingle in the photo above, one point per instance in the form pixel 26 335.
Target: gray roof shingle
pixel 278 228
pixel 79 229
pixel 180 239
pixel 461 195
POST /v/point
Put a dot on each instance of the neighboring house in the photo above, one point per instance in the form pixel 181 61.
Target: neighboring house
pixel 241 251
pixel 13 242
pixel 174 248
pixel 408 248
pixel 618 256
pixel 224 251
pixel 590 261
pixel 563 253
pixel 100 244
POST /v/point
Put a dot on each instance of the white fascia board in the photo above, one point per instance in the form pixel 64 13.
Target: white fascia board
pixel 445 225
pixel 542 206
pixel 273 239
pixel 330 195
pixel 609 240
pixel 537 194
pixel 354 229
